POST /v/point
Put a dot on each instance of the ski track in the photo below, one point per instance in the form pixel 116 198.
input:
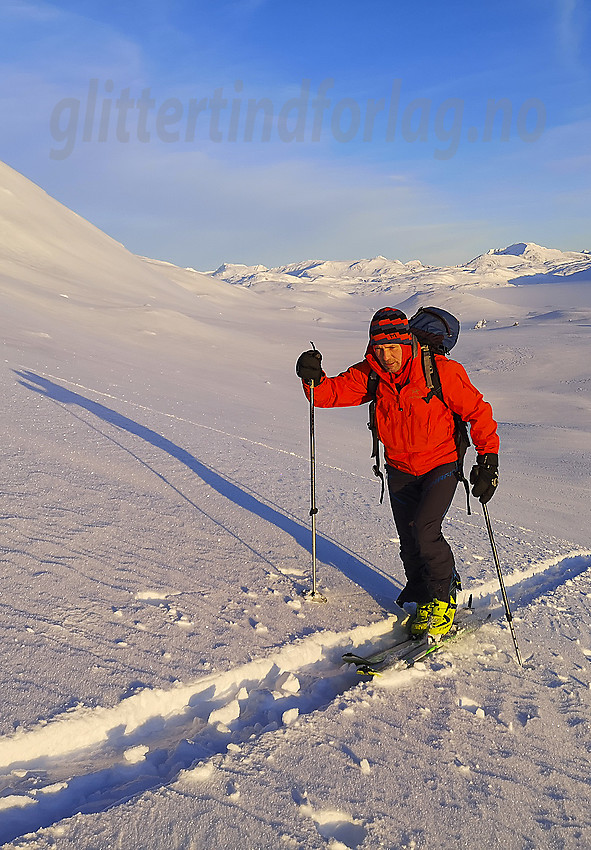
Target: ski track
pixel 88 760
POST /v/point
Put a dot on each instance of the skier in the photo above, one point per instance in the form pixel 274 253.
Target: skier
pixel 417 430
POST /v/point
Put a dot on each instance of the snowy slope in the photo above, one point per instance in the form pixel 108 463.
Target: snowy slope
pixel 49 252
pixel 164 683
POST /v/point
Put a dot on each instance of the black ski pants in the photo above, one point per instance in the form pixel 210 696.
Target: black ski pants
pixel 419 504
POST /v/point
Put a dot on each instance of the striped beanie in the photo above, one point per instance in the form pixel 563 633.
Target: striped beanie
pixel 389 327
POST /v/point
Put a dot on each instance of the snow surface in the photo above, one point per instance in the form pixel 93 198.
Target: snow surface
pixel 164 683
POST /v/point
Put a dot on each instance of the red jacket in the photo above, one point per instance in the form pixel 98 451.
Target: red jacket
pixel 417 435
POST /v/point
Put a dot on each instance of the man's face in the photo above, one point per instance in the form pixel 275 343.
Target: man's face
pixel 389 356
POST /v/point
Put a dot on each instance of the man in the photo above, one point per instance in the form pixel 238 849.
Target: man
pixel 417 430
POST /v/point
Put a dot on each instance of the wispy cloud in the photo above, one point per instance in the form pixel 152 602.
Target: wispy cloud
pixel 570 30
pixel 200 211
pixel 66 47
pixel 20 10
pixel 247 198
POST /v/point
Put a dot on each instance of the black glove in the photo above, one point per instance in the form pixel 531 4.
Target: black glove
pixel 485 477
pixel 308 367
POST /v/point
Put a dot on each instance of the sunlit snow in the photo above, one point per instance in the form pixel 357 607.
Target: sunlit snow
pixel 164 682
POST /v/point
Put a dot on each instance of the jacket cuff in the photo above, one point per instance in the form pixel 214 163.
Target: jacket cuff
pixel 489 460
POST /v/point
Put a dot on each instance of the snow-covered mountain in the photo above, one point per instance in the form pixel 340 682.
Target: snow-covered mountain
pixel 63 278
pixel 526 262
pixel 49 252
pixel 516 264
pixel 164 684
pixel 376 270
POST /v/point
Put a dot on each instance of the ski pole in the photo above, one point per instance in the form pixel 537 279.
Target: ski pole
pixel 313 595
pixel 502 583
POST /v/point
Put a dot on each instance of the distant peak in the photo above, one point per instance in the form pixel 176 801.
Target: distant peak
pixel 529 251
pixel 235 267
pixel 517 249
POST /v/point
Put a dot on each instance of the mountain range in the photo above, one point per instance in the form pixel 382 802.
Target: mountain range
pixel 522 262
pixel 46 245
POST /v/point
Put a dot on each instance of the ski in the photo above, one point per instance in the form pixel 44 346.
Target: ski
pixel 380 655
pixel 429 647
pixel 407 652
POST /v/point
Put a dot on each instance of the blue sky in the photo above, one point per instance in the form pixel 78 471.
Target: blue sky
pixel 270 131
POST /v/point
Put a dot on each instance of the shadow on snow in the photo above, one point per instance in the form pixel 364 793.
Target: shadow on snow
pixel 379 585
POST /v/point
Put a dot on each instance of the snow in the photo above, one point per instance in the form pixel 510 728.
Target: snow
pixel 164 682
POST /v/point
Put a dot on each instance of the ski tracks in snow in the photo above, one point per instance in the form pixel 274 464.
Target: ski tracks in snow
pixel 88 760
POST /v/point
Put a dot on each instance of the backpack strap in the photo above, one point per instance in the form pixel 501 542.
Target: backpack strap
pixel 461 437
pixel 431 374
pixel 462 443
pixel 372 388
pixel 433 382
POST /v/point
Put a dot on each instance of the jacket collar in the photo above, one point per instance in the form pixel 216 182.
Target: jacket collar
pixel 401 377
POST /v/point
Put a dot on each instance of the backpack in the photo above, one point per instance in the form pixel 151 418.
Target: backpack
pixel 434 331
